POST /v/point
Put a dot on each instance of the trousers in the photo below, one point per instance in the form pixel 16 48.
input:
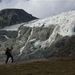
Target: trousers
pixel 9 56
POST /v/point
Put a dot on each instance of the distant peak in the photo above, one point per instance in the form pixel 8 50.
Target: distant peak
pixel 13 16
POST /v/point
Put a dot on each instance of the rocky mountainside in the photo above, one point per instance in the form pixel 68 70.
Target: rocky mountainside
pixel 10 17
pixel 43 38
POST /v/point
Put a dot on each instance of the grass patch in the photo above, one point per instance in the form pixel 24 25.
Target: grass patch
pixel 55 67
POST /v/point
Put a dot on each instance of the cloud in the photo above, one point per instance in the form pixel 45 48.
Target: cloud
pixel 40 8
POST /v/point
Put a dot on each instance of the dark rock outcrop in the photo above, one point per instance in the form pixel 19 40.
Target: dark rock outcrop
pixel 9 17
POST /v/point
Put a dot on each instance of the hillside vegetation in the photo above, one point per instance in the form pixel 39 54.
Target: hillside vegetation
pixel 54 67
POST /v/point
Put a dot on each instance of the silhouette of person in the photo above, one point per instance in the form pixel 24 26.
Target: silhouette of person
pixel 9 55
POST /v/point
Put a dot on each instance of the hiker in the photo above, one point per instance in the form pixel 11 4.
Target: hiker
pixel 8 53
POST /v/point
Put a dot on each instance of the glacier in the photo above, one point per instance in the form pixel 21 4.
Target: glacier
pixel 65 21
pixel 64 25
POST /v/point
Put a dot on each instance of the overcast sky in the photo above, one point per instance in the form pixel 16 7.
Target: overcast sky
pixel 40 8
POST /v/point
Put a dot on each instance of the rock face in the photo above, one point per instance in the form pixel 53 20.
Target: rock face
pixel 50 37
pixel 10 17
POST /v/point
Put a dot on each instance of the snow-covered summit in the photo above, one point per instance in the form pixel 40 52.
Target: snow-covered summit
pixel 65 22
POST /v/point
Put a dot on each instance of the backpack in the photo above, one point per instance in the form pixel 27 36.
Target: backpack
pixel 7 51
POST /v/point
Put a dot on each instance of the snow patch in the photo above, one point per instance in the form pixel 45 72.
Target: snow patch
pixel 38 44
pixel 52 38
pixel 20 41
pixel 18 34
pixel 32 49
pixel 21 50
pixel 6 37
pixel 13 27
pixel 32 40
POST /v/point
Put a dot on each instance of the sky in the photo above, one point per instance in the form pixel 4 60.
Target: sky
pixel 40 8
pixel 0 0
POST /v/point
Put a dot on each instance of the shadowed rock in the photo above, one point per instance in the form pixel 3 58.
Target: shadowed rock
pixel 9 17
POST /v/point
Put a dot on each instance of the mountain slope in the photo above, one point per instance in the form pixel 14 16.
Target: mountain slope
pixel 43 38
pixel 9 17
pixel 47 67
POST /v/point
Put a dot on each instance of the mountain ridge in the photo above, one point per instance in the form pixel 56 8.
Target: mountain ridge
pixel 43 38
pixel 9 17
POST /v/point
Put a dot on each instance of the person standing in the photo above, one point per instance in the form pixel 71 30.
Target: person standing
pixel 9 55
